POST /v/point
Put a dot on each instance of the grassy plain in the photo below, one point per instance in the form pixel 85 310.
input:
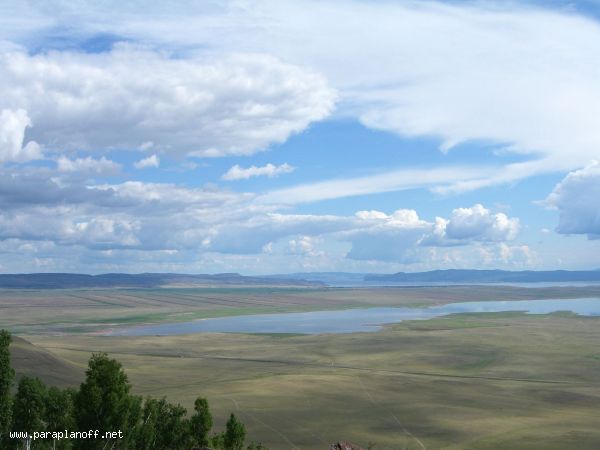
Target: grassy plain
pixel 476 381
pixel 92 310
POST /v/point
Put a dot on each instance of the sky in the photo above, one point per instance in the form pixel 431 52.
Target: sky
pixel 279 136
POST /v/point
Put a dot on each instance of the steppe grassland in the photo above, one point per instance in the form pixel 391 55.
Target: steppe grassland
pixel 93 310
pixel 468 381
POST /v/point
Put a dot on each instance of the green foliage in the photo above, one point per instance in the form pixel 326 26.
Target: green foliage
pixel 29 406
pixel 104 403
pixel 235 434
pixel 217 441
pixel 201 422
pixel 60 414
pixel 166 426
pixel 146 431
pixel 7 375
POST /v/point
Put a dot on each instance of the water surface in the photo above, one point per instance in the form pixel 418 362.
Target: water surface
pixel 355 320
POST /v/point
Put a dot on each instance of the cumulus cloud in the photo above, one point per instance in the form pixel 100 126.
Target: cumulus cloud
pixel 150 161
pixel 87 164
pixel 44 205
pixel 383 237
pixel 251 235
pixel 478 256
pixel 516 254
pixel 577 198
pixel 12 134
pixel 167 214
pixel 232 104
pixel 270 170
pixel 66 226
pixel 401 236
pixel 373 235
pixel 305 246
pixel 479 223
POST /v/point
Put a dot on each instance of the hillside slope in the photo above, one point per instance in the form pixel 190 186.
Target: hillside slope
pixel 30 360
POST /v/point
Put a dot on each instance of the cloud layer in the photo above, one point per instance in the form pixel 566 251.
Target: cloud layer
pixel 232 78
pixel 233 104
pixel 65 209
pixel 522 77
pixel 402 235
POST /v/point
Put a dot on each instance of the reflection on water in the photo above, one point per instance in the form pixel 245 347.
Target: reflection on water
pixel 355 320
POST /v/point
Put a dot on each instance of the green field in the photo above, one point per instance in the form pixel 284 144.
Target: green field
pixel 92 310
pixel 477 381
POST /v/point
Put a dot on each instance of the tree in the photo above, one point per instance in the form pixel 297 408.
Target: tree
pixel 202 422
pixel 145 432
pixel 235 434
pixel 104 403
pixel 174 430
pixel 217 441
pixel 28 408
pixel 59 414
pixel 164 427
pixel 7 376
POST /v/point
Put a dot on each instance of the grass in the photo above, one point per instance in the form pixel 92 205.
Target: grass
pixel 91 310
pixel 491 381
pixel 468 381
pixel 32 360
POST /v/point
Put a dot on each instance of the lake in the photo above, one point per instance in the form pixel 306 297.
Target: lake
pixel 354 320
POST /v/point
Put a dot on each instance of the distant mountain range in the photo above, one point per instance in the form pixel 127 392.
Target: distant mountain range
pixel 312 279
pixel 329 278
pixel 142 280
pixel 490 276
pixel 452 276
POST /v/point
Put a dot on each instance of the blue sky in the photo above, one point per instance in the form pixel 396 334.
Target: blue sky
pixel 282 136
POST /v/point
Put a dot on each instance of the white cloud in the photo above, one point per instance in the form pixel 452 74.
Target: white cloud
pixel 78 217
pixel 402 236
pixel 517 255
pixel 383 237
pixel 577 198
pixel 12 134
pixel 150 161
pixel 257 230
pixel 493 256
pixel 520 76
pixel 305 246
pixel 217 105
pixel 270 170
pixel 232 78
pixel 87 164
pixel 384 182
pixel 479 223
pixel 373 235
pixel 146 146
